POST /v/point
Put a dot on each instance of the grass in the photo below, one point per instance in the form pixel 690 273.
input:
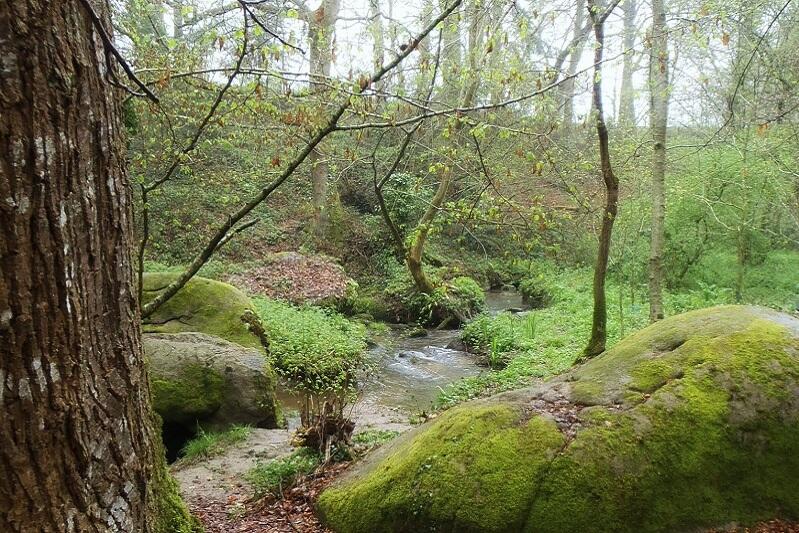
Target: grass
pixel 374 437
pixel 276 476
pixel 211 443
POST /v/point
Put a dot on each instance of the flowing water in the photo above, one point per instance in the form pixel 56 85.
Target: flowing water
pixel 410 372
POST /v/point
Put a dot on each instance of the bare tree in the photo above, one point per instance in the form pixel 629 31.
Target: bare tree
pixel 596 344
pixel 627 93
pixel 659 108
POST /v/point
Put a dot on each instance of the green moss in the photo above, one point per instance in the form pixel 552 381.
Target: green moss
pixel 198 393
pixel 202 305
pixel 695 424
pixel 166 507
pixel 468 456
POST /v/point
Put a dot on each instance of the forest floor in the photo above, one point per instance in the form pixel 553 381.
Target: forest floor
pixel 216 491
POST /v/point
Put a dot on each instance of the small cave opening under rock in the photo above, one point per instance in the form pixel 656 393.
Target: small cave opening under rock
pixel 175 436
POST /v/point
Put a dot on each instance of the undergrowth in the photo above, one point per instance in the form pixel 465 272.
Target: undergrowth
pixel 276 476
pixel 211 443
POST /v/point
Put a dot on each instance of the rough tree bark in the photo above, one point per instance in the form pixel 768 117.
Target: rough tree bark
pixel 321 29
pixel 659 108
pixel 596 345
pixel 627 93
pixel 78 449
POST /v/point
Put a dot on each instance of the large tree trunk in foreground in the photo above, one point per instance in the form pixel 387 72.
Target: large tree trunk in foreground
pixel 78 451
pixel 659 107
pixel 596 345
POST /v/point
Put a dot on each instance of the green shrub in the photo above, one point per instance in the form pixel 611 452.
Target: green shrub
pixel 487 332
pixel 534 292
pixel 315 350
pixel 319 353
pixel 468 294
pixel 279 475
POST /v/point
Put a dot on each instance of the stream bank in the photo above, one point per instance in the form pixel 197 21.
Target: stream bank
pixel 409 372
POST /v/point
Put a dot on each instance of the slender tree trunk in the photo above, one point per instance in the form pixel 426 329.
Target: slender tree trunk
pixel 596 344
pixel 416 249
pixel 495 61
pixel 78 449
pixel 468 94
pixel 627 93
pixel 659 107
pixel 321 29
pixel 376 27
pixel 177 20
pixel 451 58
pixel 574 60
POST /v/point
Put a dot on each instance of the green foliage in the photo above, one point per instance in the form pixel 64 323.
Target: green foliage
pixel 320 354
pixel 406 198
pixel 455 296
pixel 210 443
pixel 534 292
pixel 315 350
pixel 279 475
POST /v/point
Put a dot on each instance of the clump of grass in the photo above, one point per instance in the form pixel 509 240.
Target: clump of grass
pixel 210 443
pixel 278 475
pixel 374 437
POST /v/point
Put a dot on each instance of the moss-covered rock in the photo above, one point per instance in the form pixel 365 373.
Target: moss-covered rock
pixel 202 305
pixel 198 378
pixel 691 422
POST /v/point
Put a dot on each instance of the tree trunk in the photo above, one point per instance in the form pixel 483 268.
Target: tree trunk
pixel 321 28
pixel 574 60
pixel 596 345
pixel 659 107
pixel 627 93
pixel 78 450
pixel 451 63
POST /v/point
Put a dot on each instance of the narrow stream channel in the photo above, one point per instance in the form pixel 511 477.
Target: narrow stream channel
pixel 410 372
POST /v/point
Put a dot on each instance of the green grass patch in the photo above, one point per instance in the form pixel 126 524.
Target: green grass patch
pixel 211 443
pixel 374 437
pixel 276 476
pixel 548 341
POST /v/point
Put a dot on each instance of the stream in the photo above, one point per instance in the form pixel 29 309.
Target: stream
pixel 410 372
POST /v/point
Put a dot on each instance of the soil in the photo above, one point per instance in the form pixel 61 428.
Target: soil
pixel 217 493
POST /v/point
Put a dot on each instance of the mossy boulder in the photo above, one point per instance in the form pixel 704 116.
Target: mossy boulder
pixel 205 306
pixel 691 422
pixel 199 378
